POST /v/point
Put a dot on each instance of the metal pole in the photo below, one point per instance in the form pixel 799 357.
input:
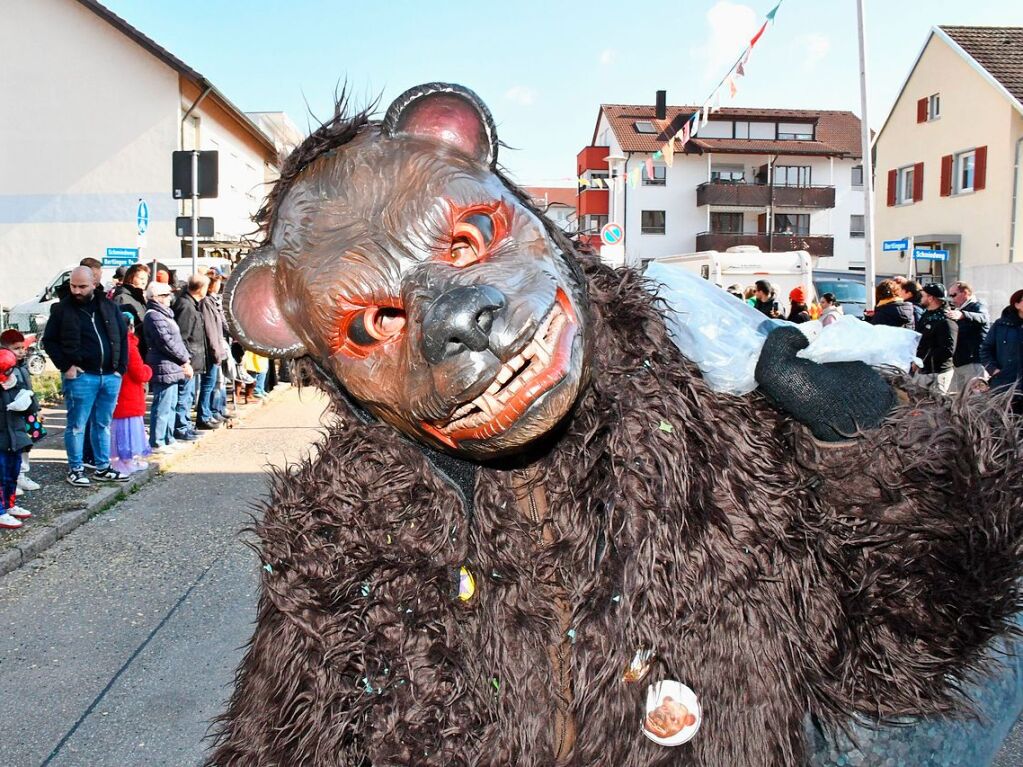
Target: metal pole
pixel 195 211
pixel 868 165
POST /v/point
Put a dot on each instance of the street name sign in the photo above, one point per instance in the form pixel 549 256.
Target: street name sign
pixel 926 254
pixel 142 217
pixel 611 234
pixel 121 256
pixel 892 245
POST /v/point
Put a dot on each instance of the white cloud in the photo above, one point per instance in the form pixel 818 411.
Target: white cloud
pixel 815 47
pixel 608 56
pixel 521 95
pixel 731 27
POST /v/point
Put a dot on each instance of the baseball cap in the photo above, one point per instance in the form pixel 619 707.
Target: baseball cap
pixel 7 363
pixel 935 289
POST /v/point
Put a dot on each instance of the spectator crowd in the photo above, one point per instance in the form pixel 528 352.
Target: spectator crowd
pixel 110 348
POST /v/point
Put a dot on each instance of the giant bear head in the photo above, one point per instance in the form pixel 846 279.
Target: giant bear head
pixel 400 259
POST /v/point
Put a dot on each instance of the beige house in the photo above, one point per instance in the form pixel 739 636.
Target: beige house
pixel 948 162
pixel 94 110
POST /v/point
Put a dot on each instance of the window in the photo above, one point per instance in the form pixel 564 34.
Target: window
pixel 644 126
pixel 742 130
pixel 660 176
pixel 593 223
pixel 855 226
pixel 717 129
pixel 965 164
pixel 934 106
pixel 726 223
pixel 792 223
pixel 792 175
pixel 857 175
pixel 733 173
pixel 651 221
pixel 762 130
pixel 795 131
pixel 905 188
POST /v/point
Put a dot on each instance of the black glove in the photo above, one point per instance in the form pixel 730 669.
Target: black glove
pixel 834 399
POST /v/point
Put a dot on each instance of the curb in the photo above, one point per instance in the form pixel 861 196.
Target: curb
pixel 40 540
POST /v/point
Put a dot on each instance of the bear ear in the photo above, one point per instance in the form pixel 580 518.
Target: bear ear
pixel 253 312
pixel 447 113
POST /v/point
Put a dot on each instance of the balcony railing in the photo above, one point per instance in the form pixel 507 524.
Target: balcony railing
pixel 814 244
pixel 762 195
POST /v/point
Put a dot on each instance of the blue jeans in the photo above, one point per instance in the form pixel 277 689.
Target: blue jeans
pixel 161 414
pixel 259 391
pixel 186 395
pixel 90 400
pixel 207 390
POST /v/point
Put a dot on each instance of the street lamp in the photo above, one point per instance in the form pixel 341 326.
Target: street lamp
pixel 616 166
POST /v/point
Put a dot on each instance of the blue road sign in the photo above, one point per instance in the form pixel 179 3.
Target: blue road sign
pixel 926 254
pixel 121 256
pixel 142 216
pixel 889 245
pixel 611 234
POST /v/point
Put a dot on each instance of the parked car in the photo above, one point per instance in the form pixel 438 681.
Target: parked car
pixel 849 289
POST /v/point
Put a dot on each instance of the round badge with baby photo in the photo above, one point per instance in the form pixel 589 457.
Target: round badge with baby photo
pixel 673 713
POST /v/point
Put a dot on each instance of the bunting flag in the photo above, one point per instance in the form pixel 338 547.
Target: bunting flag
pixel 683 135
pixel 669 152
pixel 758 34
pixel 732 89
pixel 583 181
pixel 636 174
pixel 649 167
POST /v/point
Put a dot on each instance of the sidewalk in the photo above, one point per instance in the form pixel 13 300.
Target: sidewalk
pixel 58 508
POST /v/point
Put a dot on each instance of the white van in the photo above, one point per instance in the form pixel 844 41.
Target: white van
pixel 745 264
pixel 31 315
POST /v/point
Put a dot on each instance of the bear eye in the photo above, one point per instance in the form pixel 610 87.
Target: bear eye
pixel 472 239
pixel 374 325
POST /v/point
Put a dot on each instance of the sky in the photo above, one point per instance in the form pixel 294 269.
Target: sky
pixel 544 67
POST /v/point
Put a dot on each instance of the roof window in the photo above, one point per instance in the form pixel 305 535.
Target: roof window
pixel 645 126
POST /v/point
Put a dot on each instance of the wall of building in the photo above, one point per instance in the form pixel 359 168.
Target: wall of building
pixel 91 119
pixel 974 225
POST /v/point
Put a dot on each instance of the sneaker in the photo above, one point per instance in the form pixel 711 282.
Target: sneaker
pixel 164 449
pixel 26 483
pixel 109 474
pixel 7 522
pixel 18 491
pixel 19 513
pixel 78 478
pixel 90 466
pixel 207 425
pixel 245 378
pixel 138 465
pixel 186 436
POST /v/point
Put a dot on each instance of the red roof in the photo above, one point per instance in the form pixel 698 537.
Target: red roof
pixel 554 195
pixel 998 49
pixel 837 133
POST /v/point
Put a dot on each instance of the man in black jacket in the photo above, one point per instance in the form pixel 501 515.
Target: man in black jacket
pixel 86 338
pixel 938 333
pixel 188 315
pixel 971 315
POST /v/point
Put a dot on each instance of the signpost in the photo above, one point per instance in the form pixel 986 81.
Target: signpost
pixel 194 175
pixel 121 256
pixel 888 246
pixel 926 254
pixel 611 234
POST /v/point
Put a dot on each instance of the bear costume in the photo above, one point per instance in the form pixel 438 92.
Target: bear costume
pixel 525 484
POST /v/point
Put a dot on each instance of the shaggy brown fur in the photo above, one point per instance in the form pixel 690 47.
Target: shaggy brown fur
pixel 772 574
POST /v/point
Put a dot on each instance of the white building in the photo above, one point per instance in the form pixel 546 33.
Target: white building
pixel 94 111
pixel 557 203
pixel 779 179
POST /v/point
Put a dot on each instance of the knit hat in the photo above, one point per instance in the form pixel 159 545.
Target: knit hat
pixel 11 336
pixel 157 289
pixel 796 295
pixel 935 289
pixel 7 363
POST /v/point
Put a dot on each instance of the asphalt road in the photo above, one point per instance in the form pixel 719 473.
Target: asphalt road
pixel 118 645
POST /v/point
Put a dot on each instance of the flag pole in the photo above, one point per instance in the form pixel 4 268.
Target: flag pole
pixel 868 166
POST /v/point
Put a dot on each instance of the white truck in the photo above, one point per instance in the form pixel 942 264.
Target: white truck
pixel 745 264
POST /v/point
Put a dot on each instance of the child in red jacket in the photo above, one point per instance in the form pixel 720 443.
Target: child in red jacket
pixel 128 441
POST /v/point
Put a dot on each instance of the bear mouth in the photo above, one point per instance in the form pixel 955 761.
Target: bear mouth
pixel 532 372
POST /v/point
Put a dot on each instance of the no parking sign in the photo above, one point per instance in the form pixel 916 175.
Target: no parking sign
pixel 611 234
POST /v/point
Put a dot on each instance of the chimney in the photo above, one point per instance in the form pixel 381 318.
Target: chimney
pixel 661 112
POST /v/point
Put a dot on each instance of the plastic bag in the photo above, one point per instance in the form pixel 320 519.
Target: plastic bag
pixel 851 339
pixel 720 333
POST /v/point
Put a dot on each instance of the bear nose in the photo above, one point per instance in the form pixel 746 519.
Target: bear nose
pixel 460 319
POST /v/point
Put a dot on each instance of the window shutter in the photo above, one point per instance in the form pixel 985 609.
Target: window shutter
pixel 980 168
pixel 893 180
pixel 918 182
pixel 921 110
pixel 946 175
pixel 762 223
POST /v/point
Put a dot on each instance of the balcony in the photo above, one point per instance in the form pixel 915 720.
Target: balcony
pixel 591 158
pixel 762 195
pixel 592 202
pixel 814 244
